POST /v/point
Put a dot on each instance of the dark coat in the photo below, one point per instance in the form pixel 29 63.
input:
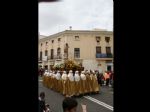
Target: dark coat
pixel 41 105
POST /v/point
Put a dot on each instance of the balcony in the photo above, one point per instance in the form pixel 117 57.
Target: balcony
pixel 40 60
pixel 104 56
pixel 55 57
pixel 50 57
pixel 58 57
pixel 65 56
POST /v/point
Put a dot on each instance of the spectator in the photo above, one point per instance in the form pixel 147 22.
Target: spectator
pixel 39 71
pixel 107 78
pixel 70 105
pixel 110 76
pixel 47 108
pixel 42 71
pixel 100 78
pixel 42 106
pixel 112 79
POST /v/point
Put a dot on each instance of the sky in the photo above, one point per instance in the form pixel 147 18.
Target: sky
pixel 80 14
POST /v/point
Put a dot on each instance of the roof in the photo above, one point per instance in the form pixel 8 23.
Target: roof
pixel 76 31
pixel 42 36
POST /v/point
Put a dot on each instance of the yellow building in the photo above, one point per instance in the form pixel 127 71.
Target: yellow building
pixel 92 48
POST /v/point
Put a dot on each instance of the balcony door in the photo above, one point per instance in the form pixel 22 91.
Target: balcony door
pixel 76 52
pixel 52 53
pixel 108 50
pixel 98 52
pixel 41 55
pixel 59 53
pixel 66 50
pixel 46 53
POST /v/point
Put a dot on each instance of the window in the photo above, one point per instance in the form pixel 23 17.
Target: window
pixel 76 52
pixel 52 53
pixel 41 44
pixel 58 52
pixel 98 39
pixel 41 55
pixel 108 50
pixel 76 37
pixel 107 39
pixel 52 41
pixel 98 50
pixel 46 52
pixel 59 39
pixel 46 43
pixel 67 45
pixel 66 50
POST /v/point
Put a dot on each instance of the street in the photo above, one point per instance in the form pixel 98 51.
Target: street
pixel 102 102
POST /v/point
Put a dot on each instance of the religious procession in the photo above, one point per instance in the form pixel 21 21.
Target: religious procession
pixel 70 79
pixel 69 84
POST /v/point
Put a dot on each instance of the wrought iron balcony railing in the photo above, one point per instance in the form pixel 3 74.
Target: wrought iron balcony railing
pixel 104 55
pixel 55 57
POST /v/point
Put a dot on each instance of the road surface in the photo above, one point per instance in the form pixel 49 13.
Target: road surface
pixel 102 102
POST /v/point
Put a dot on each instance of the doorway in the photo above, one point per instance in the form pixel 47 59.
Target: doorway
pixel 109 68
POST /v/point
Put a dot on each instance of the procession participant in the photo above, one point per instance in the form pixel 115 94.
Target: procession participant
pixel 100 79
pixel 55 81
pixel 71 87
pixel 65 81
pixel 58 83
pixel 95 85
pixel 61 86
pixel 89 83
pixel 83 83
pixel 77 84
pixel 52 80
pixel 45 78
pixel 49 79
pixel 97 90
pixel 86 71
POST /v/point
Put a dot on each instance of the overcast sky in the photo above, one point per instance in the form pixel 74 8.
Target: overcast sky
pixel 80 14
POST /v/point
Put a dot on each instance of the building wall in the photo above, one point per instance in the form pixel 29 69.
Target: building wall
pixel 87 44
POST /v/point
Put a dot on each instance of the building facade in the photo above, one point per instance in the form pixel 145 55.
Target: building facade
pixel 92 48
